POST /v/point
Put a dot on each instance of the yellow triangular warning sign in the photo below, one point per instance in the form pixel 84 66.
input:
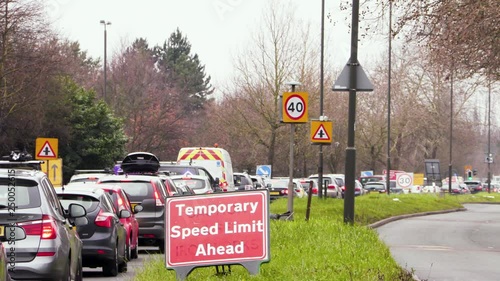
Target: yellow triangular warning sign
pixel 46 151
pixel 321 134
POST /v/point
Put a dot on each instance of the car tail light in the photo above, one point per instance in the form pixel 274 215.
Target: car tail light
pixel 223 186
pixel 284 191
pixel 315 190
pixel 331 186
pixel 158 199
pixel 45 228
pixel 103 219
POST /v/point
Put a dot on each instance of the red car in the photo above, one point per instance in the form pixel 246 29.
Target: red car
pixel 122 202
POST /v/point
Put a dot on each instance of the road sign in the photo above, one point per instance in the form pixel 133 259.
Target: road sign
pixel 264 171
pixel 404 180
pixel 225 229
pixel 46 148
pixel 53 169
pixel 321 132
pixel 295 107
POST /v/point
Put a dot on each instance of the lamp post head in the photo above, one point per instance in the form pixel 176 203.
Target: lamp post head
pixel 293 83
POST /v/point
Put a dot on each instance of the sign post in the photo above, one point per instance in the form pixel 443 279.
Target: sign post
pixel 222 229
pixel 294 111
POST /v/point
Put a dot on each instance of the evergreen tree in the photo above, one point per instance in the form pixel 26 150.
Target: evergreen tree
pixel 184 71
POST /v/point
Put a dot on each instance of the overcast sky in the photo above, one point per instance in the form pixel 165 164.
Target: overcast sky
pixel 216 29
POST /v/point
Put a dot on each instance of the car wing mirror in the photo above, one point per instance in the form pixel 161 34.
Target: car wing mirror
pixel 12 233
pixel 76 211
pixel 138 208
pixel 81 221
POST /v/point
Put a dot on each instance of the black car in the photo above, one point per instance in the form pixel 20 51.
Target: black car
pixel 144 186
pixel 52 249
pixel 104 237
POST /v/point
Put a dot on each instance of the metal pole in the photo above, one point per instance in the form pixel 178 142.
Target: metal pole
pixel 320 166
pixel 450 166
pixel 388 179
pixel 290 168
pixel 104 23
pixel 489 134
pixel 350 164
pixel 105 62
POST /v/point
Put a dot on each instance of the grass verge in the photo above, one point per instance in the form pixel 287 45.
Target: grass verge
pixel 324 248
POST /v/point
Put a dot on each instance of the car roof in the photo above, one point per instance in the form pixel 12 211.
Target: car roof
pixel 81 190
pixel 14 172
pixel 188 176
pixel 132 177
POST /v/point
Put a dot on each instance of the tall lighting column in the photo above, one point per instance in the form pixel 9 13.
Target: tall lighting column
pixel 450 166
pixel 105 23
pixel 388 174
pixel 320 166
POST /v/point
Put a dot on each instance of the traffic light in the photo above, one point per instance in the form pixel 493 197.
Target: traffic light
pixel 469 175
pixel 474 172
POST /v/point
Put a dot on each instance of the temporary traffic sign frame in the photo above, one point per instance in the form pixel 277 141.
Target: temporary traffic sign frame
pixel 295 107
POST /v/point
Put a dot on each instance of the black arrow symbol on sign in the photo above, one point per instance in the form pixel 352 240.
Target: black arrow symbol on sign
pixel 54 167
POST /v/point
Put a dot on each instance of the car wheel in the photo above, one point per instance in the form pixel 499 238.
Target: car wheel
pixel 127 249
pixel 122 266
pixel 135 252
pixel 111 267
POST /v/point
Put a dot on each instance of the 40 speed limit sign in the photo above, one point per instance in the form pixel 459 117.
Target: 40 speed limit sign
pixel 295 107
pixel 404 180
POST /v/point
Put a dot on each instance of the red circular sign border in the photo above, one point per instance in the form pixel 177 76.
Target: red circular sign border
pixel 303 101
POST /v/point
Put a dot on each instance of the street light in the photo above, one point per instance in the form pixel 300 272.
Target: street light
pixel 105 23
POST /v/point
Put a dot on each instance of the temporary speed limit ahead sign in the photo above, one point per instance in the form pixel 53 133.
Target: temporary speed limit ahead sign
pixel 295 107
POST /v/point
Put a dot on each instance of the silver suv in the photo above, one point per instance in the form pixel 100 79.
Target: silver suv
pixel 52 249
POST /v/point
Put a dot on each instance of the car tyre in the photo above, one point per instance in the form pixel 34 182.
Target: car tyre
pixel 134 254
pixel 111 267
pixel 122 266
pixel 127 250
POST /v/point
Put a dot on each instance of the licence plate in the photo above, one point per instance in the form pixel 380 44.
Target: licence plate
pixel 2 231
pixel 274 193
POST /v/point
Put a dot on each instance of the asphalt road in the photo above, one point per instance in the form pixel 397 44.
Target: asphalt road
pixel 145 253
pixel 444 247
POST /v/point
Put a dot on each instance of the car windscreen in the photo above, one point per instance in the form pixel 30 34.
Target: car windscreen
pixel 241 180
pixel 172 170
pixel 88 202
pixel 136 190
pixel 192 183
pixel 19 193
pixel 279 184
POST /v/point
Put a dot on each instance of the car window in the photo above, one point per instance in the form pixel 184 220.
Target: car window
pixel 136 190
pixel 192 183
pixel 52 197
pixel 107 203
pixel 26 193
pixel 88 202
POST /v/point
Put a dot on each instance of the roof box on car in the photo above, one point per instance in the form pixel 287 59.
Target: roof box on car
pixel 140 162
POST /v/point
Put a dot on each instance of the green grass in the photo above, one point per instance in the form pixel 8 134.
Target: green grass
pixel 325 248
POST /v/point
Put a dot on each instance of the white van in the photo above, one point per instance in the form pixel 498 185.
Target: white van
pixel 215 159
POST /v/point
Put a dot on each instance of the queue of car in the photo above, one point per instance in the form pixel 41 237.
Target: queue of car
pixel 101 217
